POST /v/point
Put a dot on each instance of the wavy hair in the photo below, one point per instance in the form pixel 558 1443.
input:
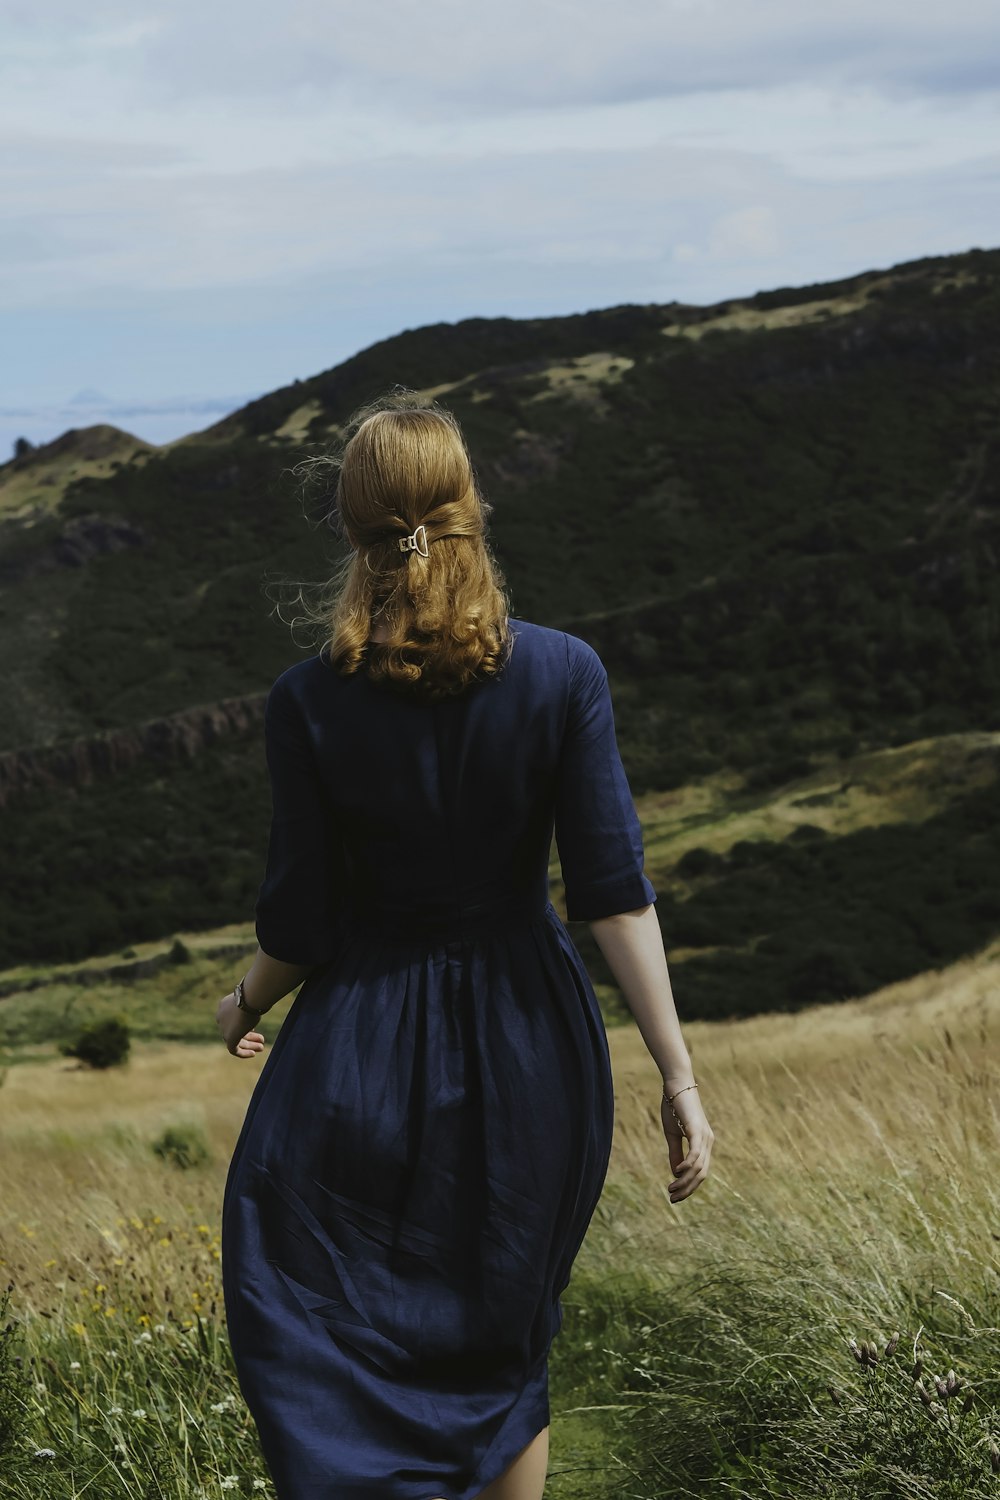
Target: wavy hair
pixel 402 462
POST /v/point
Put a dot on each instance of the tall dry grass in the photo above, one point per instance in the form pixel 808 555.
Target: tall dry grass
pixel 707 1346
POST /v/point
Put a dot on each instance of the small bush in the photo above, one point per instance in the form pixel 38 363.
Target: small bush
pixel 806 833
pixel 179 953
pixel 699 861
pixel 106 1044
pixel 182 1145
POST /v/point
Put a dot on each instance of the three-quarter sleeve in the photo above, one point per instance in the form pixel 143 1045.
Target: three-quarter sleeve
pixel 301 896
pixel 597 828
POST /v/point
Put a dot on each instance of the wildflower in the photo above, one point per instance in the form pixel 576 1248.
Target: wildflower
pixel 74 1364
pixel 229 1482
pixel 260 1484
pixel 890 1347
pixel 145 1337
pixel 40 1387
pixel 159 1327
pixel 140 1411
pixel 115 1411
pixel 45 1453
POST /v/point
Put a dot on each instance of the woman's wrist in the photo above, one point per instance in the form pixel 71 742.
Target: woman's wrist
pixel 240 991
pixel 672 1082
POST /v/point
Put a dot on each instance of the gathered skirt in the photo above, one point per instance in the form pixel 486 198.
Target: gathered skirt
pixel 423 1151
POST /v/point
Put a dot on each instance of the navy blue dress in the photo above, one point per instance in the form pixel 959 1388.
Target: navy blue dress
pixel 430 1132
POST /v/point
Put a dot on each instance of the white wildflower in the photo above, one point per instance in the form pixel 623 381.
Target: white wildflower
pixel 140 1411
pixel 74 1364
pixel 229 1482
pixel 115 1411
pixel 45 1453
pixel 260 1484
pixel 145 1337
pixel 159 1327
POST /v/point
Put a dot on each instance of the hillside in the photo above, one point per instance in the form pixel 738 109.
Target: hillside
pixel 777 518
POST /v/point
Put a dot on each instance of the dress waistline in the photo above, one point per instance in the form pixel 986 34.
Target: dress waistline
pixel 426 924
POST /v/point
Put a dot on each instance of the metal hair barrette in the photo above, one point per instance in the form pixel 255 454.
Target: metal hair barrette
pixel 411 544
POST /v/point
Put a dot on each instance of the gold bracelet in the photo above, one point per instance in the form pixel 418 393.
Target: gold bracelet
pixel 670 1097
pixel 670 1100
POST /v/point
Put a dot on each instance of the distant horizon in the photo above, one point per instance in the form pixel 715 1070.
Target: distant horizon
pixel 160 419
pixel 199 200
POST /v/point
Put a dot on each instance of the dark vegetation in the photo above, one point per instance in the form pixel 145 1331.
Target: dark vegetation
pixel 782 541
pixel 106 1044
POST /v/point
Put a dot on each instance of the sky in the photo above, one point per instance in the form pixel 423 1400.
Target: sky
pixel 202 202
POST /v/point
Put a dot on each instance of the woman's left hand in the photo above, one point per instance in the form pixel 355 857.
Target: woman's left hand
pixel 232 1024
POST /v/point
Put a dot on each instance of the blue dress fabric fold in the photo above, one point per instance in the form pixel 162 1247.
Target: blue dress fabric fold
pixel 430 1132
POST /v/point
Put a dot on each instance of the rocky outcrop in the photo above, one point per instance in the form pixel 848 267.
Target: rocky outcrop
pixel 78 762
pixel 77 543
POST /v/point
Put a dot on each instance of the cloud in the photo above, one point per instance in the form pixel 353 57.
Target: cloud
pixel 746 232
pixel 250 192
pixel 447 58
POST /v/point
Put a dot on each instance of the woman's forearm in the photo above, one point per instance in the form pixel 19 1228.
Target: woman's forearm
pixel 269 980
pixel 632 944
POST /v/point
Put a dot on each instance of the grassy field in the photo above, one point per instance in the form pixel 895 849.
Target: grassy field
pixel 706 1346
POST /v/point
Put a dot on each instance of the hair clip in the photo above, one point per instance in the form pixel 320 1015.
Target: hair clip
pixel 410 543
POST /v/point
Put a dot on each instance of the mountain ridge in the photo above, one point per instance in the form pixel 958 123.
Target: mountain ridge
pixel 776 517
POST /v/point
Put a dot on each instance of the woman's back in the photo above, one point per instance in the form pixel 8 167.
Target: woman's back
pixel 436 816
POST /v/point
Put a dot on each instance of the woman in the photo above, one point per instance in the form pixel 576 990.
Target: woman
pixel 430 1134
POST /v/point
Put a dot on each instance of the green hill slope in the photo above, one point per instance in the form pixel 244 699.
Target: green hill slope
pixel 777 518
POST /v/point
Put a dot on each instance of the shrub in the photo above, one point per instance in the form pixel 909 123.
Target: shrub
pixel 182 1145
pixel 179 953
pixel 699 861
pixel 106 1044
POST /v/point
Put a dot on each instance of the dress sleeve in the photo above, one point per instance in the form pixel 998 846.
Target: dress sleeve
pixel 597 828
pixel 301 895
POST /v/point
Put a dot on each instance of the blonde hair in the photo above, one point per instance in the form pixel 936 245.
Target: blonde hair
pixel 402 462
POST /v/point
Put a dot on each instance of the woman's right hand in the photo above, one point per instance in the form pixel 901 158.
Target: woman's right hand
pixel 690 1170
